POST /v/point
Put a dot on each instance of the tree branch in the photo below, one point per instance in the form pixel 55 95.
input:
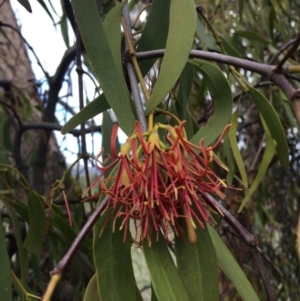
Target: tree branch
pixel 55 84
pixel 279 79
pixel 248 238
pixel 64 262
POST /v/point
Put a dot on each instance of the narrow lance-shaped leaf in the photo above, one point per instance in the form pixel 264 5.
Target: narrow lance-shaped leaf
pixel 5 280
pixel 91 293
pixel 273 123
pixel 155 32
pixel 235 149
pixel 230 160
pixel 231 268
pixel 222 103
pixel 252 36
pixel 92 109
pixel 103 61
pixel 107 128
pixel 26 5
pixel 113 261
pixel 267 157
pixel 186 82
pixel 18 236
pixel 37 224
pixel 165 278
pixel 182 24
pixel 111 26
pixel 198 267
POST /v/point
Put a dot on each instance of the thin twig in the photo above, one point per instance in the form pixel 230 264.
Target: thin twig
pixel 61 266
pixel 289 53
pixel 132 75
pixel 231 220
pixel 263 274
pixel 216 57
pixel 81 105
pixel 274 58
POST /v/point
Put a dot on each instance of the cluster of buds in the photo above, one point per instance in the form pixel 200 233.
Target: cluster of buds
pixel 158 184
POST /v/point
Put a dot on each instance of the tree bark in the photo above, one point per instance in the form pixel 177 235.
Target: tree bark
pixel 21 103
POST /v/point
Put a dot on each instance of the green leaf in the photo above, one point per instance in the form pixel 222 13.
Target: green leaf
pixel 107 127
pixel 91 293
pixel 7 134
pixel 263 167
pixel 64 29
pixel 37 224
pixel 273 123
pixel 111 26
pixel 112 259
pixel 42 3
pixel 92 109
pixel 230 160
pixel 103 61
pixel 231 268
pixel 155 32
pixel 251 36
pixel 241 9
pixel 19 241
pixel 67 233
pixel 165 278
pixel 182 24
pixel 153 296
pixel 186 82
pixel 26 5
pixel 5 279
pixel 204 36
pixel 198 267
pixel 271 21
pixel 229 47
pixel 222 103
pixel 27 110
pixel 289 113
pixel 235 149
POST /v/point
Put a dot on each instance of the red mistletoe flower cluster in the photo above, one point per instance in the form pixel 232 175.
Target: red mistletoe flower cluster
pixel 157 184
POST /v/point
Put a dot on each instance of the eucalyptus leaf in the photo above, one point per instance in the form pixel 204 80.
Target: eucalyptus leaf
pixel 252 36
pixel 235 149
pixel 92 109
pixel 5 279
pixel 91 293
pixel 37 224
pixel 26 5
pixel 222 103
pixel 263 167
pixel 155 32
pixel 231 268
pixel 182 24
pixel 197 265
pixel 273 123
pixel 166 281
pixel 103 60
pixel 112 259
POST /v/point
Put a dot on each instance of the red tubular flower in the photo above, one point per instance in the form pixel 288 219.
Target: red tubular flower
pixel 156 185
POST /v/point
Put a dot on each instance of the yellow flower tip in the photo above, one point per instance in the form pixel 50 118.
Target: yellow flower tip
pixel 125 180
pixel 172 131
pixel 154 137
pixel 190 225
pixel 126 147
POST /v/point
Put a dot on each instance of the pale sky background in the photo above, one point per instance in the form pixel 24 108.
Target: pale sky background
pixel 47 42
